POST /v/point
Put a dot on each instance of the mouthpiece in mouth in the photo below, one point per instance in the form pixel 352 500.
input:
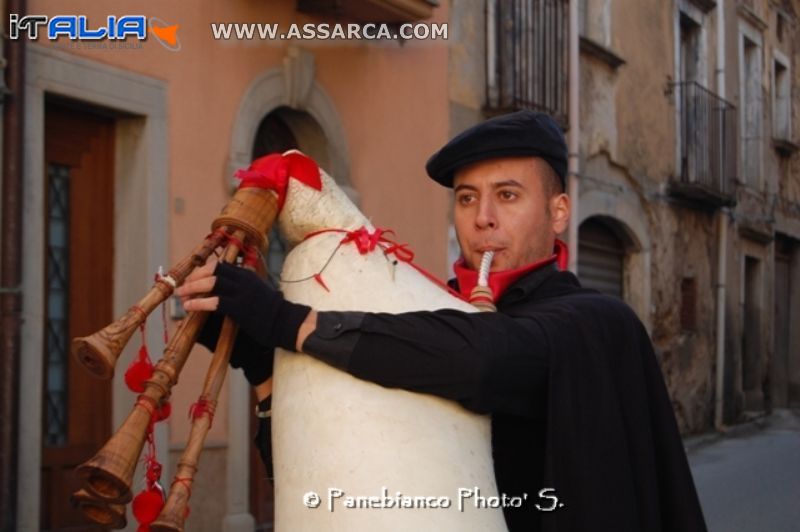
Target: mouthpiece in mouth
pixel 486 265
pixel 481 295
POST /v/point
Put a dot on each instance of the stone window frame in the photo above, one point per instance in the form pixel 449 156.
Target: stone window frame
pixel 688 9
pixel 779 58
pixel 589 7
pixel 693 13
pixel 749 32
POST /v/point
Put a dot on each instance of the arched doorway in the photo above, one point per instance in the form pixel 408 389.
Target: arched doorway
pixel 602 250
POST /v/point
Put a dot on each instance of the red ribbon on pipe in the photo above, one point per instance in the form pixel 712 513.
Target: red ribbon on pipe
pixel 274 170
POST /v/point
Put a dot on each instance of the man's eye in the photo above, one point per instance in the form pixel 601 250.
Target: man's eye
pixel 466 199
pixel 507 195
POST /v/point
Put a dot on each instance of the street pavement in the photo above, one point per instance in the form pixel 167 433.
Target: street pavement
pixel 749 478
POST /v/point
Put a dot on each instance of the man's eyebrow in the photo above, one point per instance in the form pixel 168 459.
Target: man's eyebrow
pixel 499 184
pixel 507 183
pixel 462 187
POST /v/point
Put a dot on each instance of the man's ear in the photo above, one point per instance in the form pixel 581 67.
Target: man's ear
pixel 560 206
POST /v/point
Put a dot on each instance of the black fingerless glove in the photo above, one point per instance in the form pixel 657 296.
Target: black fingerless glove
pixel 255 359
pixel 260 310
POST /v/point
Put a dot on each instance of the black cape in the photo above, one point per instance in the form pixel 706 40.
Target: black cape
pixel 614 454
pixel 560 358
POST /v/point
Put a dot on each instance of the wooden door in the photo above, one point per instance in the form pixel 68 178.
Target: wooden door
pixel 752 385
pixel 79 249
pixel 779 365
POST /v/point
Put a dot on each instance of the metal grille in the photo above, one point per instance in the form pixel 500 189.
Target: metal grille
pixel 527 56
pixel 601 258
pixel 56 326
pixel 707 138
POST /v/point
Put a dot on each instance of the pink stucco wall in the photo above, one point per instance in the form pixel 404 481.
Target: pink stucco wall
pixel 391 99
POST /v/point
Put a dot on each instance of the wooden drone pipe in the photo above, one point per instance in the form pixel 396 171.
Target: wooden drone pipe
pixel 100 351
pixel 108 475
pixel 173 515
pixel 99 511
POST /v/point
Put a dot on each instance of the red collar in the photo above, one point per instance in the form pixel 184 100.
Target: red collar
pixel 500 281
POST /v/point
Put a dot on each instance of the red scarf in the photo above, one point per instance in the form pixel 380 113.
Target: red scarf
pixel 500 281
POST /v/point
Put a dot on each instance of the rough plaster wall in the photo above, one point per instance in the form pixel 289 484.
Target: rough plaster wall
pixel 686 247
pixel 466 64
pixel 467 60
pixel 789 168
pixel 598 109
pixel 644 118
pixel 627 114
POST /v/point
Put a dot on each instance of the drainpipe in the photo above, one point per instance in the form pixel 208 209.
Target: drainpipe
pixel 573 139
pixel 11 269
pixel 722 244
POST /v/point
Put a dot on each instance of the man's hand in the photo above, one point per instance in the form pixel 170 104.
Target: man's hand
pixel 200 281
pixel 240 294
pixel 221 289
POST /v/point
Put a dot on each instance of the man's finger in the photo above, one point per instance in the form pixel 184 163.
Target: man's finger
pixel 202 303
pixel 198 286
pixel 203 271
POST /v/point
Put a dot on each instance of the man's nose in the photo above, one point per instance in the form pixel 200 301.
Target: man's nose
pixel 486 218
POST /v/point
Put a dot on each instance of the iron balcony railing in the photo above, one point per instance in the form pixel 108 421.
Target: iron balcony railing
pixel 707 144
pixel 527 59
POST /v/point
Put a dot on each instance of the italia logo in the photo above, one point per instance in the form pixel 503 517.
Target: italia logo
pixel 77 28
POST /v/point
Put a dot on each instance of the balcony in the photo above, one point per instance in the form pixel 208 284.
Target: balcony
pixel 377 11
pixel 527 60
pixel 707 146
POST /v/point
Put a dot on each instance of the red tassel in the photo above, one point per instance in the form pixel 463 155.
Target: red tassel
pixel 147 505
pixel 163 411
pixel 318 278
pixel 153 471
pixel 202 407
pixel 139 371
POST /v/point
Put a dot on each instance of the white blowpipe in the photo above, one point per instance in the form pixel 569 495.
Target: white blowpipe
pixel 481 296
pixel 486 264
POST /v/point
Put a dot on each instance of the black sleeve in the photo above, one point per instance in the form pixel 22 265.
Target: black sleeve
pixel 488 362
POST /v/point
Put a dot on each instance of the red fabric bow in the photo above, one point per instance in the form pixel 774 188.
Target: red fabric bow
pixel 364 240
pixel 274 170
pixel 367 242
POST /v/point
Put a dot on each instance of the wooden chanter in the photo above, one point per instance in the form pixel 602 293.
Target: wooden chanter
pixel 107 477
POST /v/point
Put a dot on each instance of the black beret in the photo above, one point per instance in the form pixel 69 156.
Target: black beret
pixel 524 133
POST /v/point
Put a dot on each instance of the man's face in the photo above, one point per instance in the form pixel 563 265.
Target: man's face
pixel 503 205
